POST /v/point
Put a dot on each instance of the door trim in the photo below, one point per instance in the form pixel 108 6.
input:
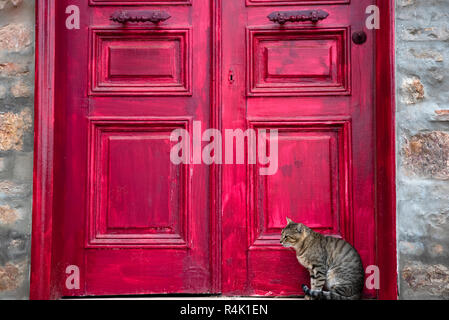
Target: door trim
pixel 42 280
pixel 43 173
pixel 385 171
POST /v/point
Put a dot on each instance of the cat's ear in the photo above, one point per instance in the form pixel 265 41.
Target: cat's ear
pixel 289 221
pixel 299 227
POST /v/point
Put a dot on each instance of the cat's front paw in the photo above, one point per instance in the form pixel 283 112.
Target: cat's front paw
pixel 305 289
pixel 306 292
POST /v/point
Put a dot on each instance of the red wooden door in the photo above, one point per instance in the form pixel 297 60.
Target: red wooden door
pixel 132 221
pixel 315 86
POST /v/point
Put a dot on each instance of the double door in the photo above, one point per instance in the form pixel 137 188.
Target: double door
pixel 136 222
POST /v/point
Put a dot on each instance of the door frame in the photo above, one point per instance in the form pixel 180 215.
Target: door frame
pixel 42 279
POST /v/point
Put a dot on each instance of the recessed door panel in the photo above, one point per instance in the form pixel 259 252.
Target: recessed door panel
pixel 139 198
pixel 310 185
pixel 139 61
pixel 298 61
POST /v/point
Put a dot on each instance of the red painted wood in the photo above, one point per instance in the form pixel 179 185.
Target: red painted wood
pixel 216 173
pixel 153 192
pixel 42 231
pixel 133 222
pixel 324 111
pixel 315 164
pixel 325 108
pixel 385 151
pixel 141 61
pixel 293 61
pixel 292 2
pixel 139 2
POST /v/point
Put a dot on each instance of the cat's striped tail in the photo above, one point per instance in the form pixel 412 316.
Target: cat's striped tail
pixel 325 295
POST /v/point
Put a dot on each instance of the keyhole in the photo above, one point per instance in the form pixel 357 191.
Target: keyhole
pixel 231 77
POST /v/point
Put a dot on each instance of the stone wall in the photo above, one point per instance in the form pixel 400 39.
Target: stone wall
pixel 422 66
pixel 16 144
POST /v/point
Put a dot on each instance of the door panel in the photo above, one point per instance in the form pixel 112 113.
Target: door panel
pixel 310 185
pixel 139 198
pixel 141 61
pixel 131 220
pixel 311 83
pixel 297 61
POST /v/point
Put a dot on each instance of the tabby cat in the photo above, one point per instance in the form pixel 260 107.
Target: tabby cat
pixel 332 263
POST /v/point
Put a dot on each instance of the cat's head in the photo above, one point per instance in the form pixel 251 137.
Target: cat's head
pixel 293 233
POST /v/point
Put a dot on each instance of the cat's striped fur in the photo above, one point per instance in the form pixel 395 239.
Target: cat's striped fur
pixel 335 267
